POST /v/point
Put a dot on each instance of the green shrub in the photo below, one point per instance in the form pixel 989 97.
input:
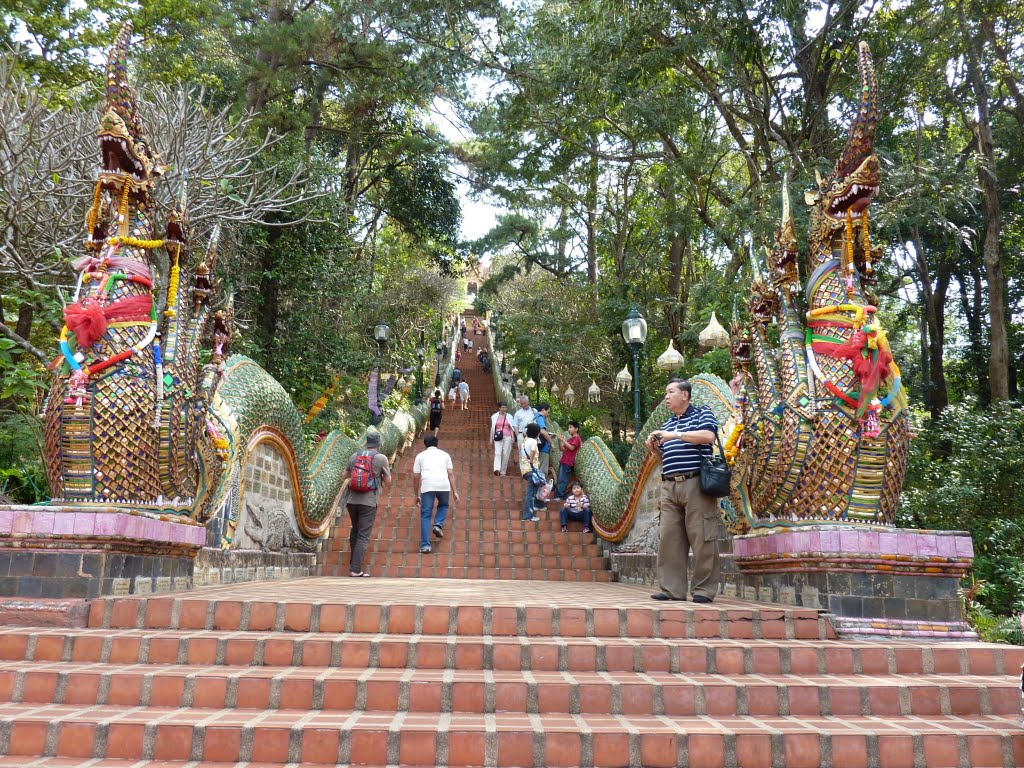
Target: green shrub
pixel 966 472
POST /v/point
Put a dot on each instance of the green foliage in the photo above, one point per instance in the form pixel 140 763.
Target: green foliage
pixel 966 472
pixel 22 478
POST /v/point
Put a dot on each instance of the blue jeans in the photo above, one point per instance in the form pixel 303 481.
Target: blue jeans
pixel 562 485
pixel 531 492
pixel 427 512
pixel 583 516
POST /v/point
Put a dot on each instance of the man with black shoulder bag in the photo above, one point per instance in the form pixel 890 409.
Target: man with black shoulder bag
pixel 690 518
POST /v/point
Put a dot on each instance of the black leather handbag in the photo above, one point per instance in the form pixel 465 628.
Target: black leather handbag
pixel 715 475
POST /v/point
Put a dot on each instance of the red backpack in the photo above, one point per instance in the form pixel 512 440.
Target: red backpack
pixel 363 478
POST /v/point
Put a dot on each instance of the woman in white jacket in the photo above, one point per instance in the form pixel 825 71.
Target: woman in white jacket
pixel 501 423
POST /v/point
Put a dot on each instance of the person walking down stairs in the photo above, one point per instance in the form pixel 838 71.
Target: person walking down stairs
pixel 503 437
pixel 434 478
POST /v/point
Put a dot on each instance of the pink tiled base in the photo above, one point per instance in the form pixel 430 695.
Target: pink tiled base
pixel 102 523
pixel 928 552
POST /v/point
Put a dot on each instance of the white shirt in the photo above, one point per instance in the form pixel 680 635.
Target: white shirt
pixel 529 456
pixel 432 466
pixel 523 417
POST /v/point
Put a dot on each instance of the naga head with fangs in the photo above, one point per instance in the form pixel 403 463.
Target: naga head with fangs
pixel 839 203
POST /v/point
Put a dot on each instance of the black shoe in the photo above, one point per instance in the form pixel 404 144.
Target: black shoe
pixel 438 531
pixel 702 599
pixel 663 596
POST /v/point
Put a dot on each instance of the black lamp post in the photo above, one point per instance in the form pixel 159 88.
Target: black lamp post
pixel 381 334
pixel 634 333
pixel 421 352
pixel 495 328
pixel 537 396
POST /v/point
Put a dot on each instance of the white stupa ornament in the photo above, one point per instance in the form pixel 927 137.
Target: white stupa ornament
pixel 671 359
pixel 569 396
pixel 594 392
pixel 714 335
pixel 623 379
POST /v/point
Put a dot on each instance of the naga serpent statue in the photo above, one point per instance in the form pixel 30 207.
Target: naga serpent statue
pixel 821 431
pixel 133 417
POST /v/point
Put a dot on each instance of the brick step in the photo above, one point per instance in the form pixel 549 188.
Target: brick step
pixel 436 571
pixel 420 690
pixel 469 652
pixel 415 739
pixel 110 762
pixel 548 529
pixel 457 546
pixel 522 537
pixel 193 611
pixel 439 557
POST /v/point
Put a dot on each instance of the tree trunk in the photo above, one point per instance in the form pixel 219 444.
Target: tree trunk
pixel 256 93
pixel 592 222
pixel 270 294
pixel 971 300
pixel 25 314
pixel 933 331
pixel 999 353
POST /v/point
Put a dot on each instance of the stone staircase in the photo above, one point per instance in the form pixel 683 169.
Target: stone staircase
pixel 413 672
pixel 484 537
pixel 520 657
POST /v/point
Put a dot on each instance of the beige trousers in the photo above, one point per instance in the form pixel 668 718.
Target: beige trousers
pixel 689 520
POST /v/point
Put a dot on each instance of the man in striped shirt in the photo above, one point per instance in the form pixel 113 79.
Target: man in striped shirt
pixel 689 518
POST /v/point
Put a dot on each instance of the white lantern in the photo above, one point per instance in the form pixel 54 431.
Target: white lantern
pixel 514 370
pixel 623 379
pixel 569 395
pixel 670 359
pixel 531 383
pixel 594 392
pixel 543 382
pixel 519 382
pixel 554 388
pixel 401 383
pixel 714 335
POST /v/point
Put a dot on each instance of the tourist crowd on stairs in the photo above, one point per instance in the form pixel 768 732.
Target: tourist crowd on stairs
pixel 483 534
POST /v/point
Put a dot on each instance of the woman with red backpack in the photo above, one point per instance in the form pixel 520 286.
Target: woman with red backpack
pixel 367 473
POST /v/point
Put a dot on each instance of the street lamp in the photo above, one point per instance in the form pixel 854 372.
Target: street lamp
pixel 421 352
pixel 381 334
pixel 634 333
pixel 537 361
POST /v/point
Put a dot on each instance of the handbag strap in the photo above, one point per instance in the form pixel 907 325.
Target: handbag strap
pixel 718 440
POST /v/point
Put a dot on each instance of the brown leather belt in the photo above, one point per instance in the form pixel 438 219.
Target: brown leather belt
pixel 679 478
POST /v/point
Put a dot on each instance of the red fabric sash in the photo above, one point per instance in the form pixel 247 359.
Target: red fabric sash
pixel 88 319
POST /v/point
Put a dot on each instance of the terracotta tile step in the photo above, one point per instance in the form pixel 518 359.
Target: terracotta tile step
pixel 439 556
pixel 110 762
pixel 413 739
pixel 650 619
pixel 549 529
pixel 472 549
pixel 511 537
pixel 469 652
pixel 436 571
pixel 424 690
